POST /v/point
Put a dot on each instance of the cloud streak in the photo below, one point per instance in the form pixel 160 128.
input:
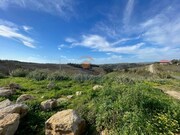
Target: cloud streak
pixel 11 31
pixel 101 44
pixel 63 8
pixel 128 11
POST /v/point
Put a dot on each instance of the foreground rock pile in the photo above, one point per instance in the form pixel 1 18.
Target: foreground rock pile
pixel 10 115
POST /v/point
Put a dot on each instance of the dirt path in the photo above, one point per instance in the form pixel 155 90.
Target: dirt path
pixel 174 94
pixel 151 68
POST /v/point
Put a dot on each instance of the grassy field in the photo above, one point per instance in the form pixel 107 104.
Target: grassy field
pixel 130 103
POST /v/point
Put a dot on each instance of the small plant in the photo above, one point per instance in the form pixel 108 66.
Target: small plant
pixel 19 73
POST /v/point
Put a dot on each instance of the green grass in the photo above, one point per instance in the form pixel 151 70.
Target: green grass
pixel 128 104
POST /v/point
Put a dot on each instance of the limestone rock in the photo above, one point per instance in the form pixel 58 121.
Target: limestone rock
pixel 14 86
pixel 21 109
pixel 48 104
pixel 5 103
pixel 24 98
pixel 60 100
pixel 6 92
pixel 70 96
pixel 96 87
pixel 104 132
pixel 65 122
pixel 9 124
pixel 78 93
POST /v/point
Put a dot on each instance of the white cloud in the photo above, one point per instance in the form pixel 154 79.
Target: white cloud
pixel 128 11
pixel 70 40
pixel 10 30
pixel 63 8
pixel 27 28
pixel 101 44
pixel 162 29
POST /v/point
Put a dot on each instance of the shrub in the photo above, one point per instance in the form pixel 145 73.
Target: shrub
pixel 19 72
pixel 2 75
pixel 86 77
pixel 58 76
pixel 38 75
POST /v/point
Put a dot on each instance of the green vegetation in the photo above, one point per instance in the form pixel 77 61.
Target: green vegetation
pixel 130 102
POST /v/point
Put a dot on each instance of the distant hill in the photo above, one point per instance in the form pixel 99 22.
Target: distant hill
pixel 7 66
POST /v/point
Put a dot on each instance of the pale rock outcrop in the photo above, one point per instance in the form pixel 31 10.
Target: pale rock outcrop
pixel 70 96
pixel 48 104
pixel 9 124
pixel 96 87
pixel 65 122
pixel 21 109
pixel 5 103
pixel 24 97
pixel 78 93
pixel 14 86
pixel 6 92
pixel 60 100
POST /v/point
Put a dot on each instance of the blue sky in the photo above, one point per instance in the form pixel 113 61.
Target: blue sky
pixel 109 31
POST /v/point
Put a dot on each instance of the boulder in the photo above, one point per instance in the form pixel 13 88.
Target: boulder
pixel 21 109
pixel 96 87
pixel 6 92
pixel 65 122
pixel 78 93
pixel 48 104
pixel 5 103
pixel 70 96
pixel 104 132
pixel 14 86
pixel 9 124
pixel 60 100
pixel 24 97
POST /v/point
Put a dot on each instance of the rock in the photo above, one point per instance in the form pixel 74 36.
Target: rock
pixel 14 86
pixel 5 103
pixel 70 96
pixel 51 85
pixel 104 132
pixel 96 87
pixel 78 93
pixel 6 92
pixel 60 100
pixel 48 104
pixel 9 124
pixel 21 109
pixel 24 97
pixel 65 122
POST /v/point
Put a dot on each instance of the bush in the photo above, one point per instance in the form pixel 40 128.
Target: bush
pixel 58 76
pixel 19 73
pixel 2 75
pixel 86 77
pixel 39 75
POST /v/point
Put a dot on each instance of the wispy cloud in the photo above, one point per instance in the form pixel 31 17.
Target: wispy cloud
pixel 27 28
pixel 11 31
pixel 162 30
pixel 128 11
pixel 101 44
pixel 63 8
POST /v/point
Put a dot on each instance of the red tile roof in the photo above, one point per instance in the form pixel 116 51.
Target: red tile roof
pixel 165 61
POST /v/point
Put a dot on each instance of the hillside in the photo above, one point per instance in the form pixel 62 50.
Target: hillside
pixel 129 101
